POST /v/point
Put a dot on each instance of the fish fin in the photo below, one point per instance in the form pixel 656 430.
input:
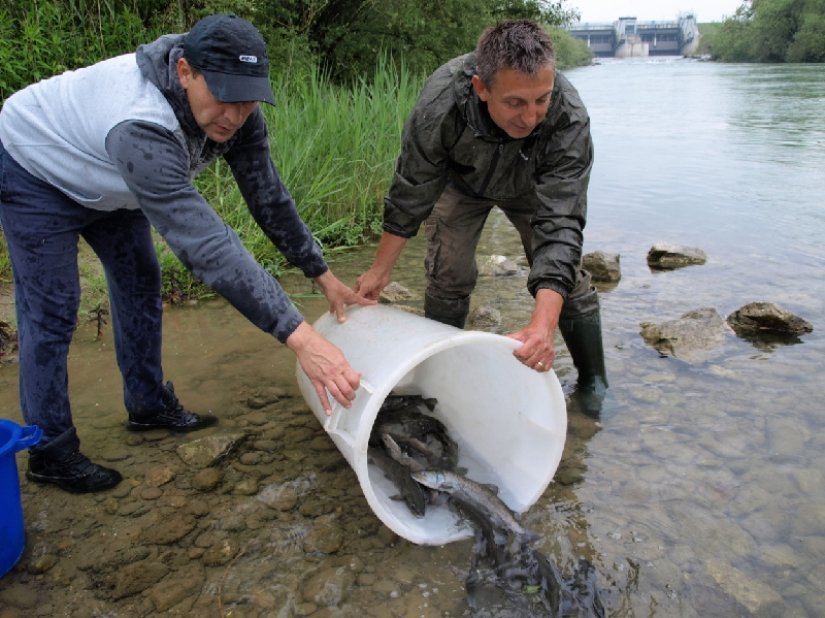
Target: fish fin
pixel 493 489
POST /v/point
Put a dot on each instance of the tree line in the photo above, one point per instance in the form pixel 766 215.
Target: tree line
pixel 342 38
pixel 345 38
pixel 772 31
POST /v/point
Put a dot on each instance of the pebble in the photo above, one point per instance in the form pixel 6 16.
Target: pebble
pixel 150 493
pixel 207 479
pixel 293 494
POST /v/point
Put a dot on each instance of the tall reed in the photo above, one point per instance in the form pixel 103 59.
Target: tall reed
pixel 335 149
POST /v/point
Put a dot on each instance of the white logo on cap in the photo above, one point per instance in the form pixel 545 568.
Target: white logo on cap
pixel 250 59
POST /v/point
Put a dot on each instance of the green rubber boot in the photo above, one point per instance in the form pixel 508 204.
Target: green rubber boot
pixel 583 336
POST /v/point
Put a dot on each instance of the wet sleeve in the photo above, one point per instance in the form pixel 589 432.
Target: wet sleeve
pixel 563 176
pixel 154 165
pixel 420 171
pixel 268 199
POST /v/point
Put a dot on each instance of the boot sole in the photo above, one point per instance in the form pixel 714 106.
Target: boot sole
pixel 67 485
pixel 203 424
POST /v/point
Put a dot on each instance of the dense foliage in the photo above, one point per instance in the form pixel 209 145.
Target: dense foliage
pixel 349 34
pixel 772 31
pixel 343 38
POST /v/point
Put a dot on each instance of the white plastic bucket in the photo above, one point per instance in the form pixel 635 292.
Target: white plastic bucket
pixel 509 421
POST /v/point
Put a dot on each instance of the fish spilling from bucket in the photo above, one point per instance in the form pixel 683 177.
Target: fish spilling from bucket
pixel 508 575
pixel 404 439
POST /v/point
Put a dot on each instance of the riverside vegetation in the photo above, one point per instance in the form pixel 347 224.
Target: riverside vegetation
pixel 345 72
pixel 771 31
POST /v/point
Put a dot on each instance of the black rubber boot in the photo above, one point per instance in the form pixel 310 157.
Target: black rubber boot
pixel 452 311
pixel 583 336
pixel 172 416
pixel 61 463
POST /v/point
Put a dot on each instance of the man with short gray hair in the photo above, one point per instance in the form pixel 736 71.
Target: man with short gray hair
pixel 501 127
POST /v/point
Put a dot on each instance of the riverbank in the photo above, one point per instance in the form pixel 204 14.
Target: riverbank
pixel 275 526
pixel 177 541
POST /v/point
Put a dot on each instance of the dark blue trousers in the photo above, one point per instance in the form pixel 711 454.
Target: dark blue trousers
pixel 42 227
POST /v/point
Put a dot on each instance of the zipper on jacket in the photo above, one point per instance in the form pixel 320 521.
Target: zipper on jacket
pixel 493 166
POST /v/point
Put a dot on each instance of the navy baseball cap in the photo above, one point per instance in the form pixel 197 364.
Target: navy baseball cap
pixel 231 55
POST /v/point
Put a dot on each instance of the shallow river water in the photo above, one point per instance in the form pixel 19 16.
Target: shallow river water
pixel 700 493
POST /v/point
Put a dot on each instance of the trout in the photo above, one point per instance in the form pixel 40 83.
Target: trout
pixel 479 499
pixel 411 492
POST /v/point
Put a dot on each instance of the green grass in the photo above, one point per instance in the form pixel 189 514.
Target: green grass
pixel 335 150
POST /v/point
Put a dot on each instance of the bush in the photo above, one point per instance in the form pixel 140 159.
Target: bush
pixel 41 39
pixel 570 51
pixel 773 31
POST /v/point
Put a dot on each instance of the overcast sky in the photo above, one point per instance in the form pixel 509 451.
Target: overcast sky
pixel 653 10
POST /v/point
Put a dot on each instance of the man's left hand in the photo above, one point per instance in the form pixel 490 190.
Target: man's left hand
pixel 339 295
pixel 538 350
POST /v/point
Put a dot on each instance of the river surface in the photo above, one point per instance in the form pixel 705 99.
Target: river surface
pixel 700 493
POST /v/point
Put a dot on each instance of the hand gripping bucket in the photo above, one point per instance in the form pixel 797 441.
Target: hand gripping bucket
pixel 13 438
pixel 509 421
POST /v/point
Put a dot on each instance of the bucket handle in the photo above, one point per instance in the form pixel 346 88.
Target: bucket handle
pixel 331 422
pixel 29 436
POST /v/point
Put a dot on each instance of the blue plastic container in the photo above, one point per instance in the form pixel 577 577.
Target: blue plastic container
pixel 13 438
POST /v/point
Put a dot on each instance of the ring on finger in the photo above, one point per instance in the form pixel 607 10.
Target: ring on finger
pixel 540 365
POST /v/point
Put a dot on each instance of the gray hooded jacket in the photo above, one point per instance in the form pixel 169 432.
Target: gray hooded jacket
pixel 450 138
pixel 120 134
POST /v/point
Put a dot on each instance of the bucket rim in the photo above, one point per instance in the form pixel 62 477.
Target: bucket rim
pixel 460 337
pixel 13 430
pixel 20 436
pixel 389 373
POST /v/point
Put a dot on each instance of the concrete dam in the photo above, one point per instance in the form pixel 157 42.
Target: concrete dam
pixel 628 37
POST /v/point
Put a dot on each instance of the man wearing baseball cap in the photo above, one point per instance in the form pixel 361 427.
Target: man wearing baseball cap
pixel 105 153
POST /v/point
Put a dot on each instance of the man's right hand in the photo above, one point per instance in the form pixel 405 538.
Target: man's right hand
pixel 371 283
pixel 325 366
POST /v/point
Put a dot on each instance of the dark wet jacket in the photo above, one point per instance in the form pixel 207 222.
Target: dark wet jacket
pixel 450 138
pixel 120 134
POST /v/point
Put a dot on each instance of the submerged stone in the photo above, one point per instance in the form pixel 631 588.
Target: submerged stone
pixel 667 256
pixel 694 337
pixel 496 266
pixel 603 267
pixel 395 293
pixel 203 452
pixel 485 316
pixel 763 318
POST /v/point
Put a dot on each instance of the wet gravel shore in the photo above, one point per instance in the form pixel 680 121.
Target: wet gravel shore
pixel 260 516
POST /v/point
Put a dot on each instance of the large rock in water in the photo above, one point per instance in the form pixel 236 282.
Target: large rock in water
pixel 761 318
pixel 694 337
pixel 667 256
pixel 485 316
pixel 602 266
